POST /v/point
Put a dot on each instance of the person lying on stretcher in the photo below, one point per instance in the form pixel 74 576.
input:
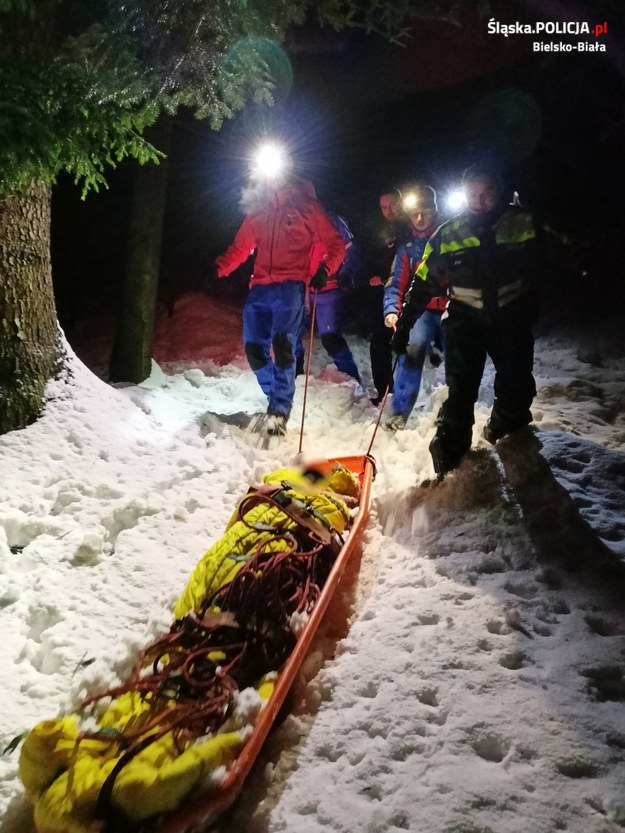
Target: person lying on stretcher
pixel 137 750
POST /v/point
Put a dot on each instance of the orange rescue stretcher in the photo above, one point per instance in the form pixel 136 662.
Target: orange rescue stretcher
pixel 201 809
pixel 74 772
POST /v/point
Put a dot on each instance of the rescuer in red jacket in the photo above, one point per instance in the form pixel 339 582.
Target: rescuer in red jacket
pixel 282 230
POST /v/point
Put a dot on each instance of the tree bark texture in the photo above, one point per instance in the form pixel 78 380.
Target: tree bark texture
pixel 29 343
pixel 131 360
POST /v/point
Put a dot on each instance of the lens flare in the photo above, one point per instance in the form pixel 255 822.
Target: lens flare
pixel 456 200
pixel 409 200
pixel 269 161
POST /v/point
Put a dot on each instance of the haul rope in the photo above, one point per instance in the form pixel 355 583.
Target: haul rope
pixel 381 408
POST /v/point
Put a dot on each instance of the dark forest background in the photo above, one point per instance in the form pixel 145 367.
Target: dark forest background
pixel 360 115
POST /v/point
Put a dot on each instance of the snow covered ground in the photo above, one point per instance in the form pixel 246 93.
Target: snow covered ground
pixel 469 676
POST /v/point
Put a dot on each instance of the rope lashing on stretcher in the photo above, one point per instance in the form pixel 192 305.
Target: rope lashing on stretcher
pixel 187 680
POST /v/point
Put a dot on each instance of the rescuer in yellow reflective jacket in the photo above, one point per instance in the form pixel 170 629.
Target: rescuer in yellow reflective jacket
pixel 486 257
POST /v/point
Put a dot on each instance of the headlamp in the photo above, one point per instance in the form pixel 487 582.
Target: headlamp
pixel 409 201
pixel 456 200
pixel 269 161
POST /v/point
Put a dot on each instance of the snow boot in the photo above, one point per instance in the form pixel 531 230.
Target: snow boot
pixel 444 461
pixel 496 429
pixel 437 458
pixel 436 356
pixel 276 425
pixel 396 422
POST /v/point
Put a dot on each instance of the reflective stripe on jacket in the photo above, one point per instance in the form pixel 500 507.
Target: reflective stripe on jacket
pixel 485 269
pixel 407 258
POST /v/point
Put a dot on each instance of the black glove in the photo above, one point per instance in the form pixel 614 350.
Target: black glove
pixel 399 341
pixel 320 278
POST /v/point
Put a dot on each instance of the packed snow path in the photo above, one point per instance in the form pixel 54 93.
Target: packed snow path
pixel 470 675
pixel 480 687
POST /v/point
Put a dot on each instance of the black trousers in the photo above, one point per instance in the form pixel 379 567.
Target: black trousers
pixel 510 345
pixel 380 351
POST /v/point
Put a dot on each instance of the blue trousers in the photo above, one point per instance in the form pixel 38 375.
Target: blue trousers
pixel 328 316
pixel 410 365
pixel 272 319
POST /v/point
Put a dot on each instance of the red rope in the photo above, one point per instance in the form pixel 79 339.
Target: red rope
pixel 189 676
pixel 381 410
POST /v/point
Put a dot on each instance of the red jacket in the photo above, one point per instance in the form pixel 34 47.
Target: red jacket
pixel 283 233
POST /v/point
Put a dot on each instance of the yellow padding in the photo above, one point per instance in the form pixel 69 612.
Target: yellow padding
pixel 343 482
pixel 154 781
pixel 159 777
pixel 226 557
pixel 69 804
pixel 129 711
pixel 63 772
pixel 45 751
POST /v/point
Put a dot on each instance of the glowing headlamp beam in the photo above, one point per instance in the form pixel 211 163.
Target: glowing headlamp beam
pixel 409 201
pixel 456 200
pixel 269 161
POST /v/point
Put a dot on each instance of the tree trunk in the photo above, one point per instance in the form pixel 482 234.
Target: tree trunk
pixel 132 350
pixel 29 336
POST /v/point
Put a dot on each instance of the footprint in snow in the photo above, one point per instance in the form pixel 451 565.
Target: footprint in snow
pixel 605 627
pixel 490 747
pixel 523 591
pixel 575 767
pixel 606 683
pixel 514 660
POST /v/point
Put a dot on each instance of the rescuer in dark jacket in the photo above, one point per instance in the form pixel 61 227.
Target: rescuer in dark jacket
pixel 487 259
pixel 382 247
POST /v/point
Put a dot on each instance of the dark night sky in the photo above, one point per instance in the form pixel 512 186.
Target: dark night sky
pixel 361 114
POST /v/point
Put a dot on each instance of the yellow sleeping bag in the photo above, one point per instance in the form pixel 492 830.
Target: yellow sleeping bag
pixel 227 556
pixel 65 763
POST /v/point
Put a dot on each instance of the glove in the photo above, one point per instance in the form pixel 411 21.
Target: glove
pixel 401 336
pixel 390 320
pixel 319 279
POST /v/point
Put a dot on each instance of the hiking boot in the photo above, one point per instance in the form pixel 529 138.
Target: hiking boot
pixel 436 356
pixel 377 396
pixel 276 425
pixel 443 460
pixel 490 434
pixel 495 429
pixel 396 422
pixel 437 457
pixel 299 366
